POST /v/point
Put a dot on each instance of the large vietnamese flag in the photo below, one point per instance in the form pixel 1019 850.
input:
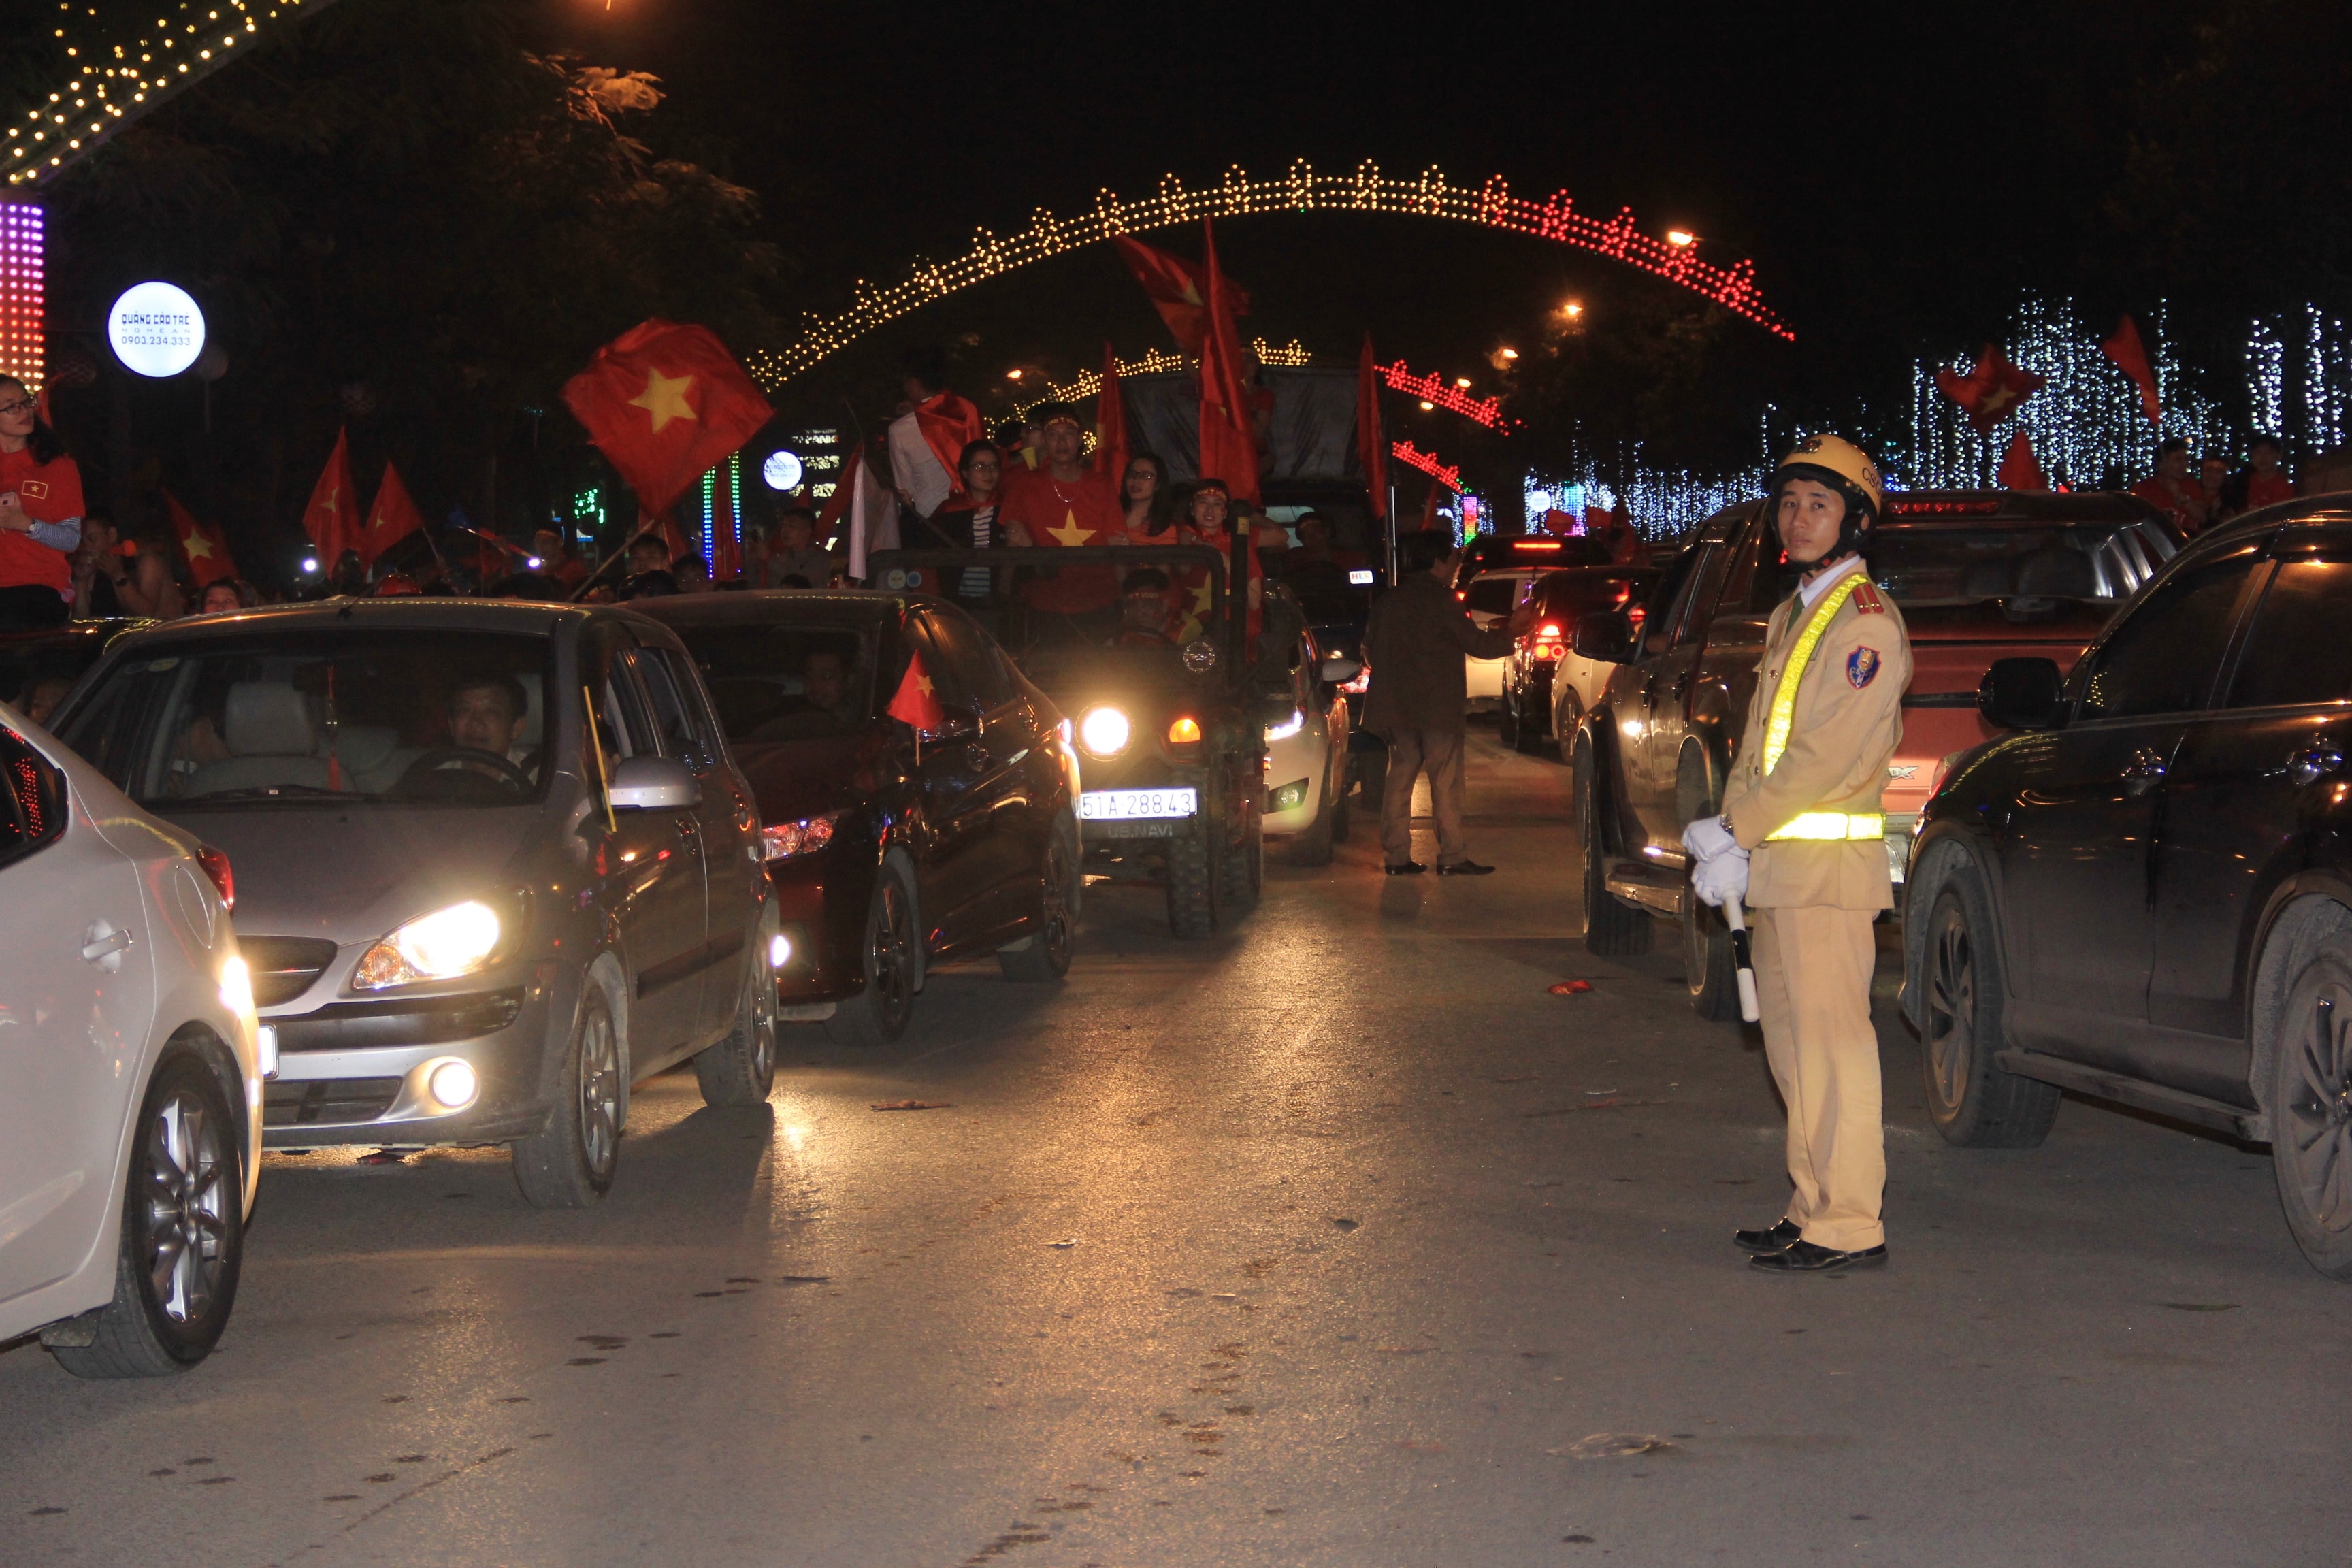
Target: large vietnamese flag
pixel 1179 290
pixel 2131 357
pixel 1228 445
pixel 666 404
pixel 203 547
pixel 332 518
pixel 392 519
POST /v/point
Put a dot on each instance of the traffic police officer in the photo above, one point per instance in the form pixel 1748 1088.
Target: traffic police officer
pixel 1801 838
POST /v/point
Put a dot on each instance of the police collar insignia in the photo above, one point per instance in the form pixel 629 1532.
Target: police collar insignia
pixel 1862 666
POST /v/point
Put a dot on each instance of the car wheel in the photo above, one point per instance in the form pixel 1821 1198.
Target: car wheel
pixel 1524 736
pixel 2310 1103
pixel 1611 929
pixel 1565 717
pixel 1195 910
pixel 1710 969
pixel 1046 958
pixel 881 1011
pixel 1506 720
pixel 1313 847
pixel 1342 823
pixel 1973 1102
pixel 569 1165
pixel 175 1269
pixel 1375 779
pixel 742 1068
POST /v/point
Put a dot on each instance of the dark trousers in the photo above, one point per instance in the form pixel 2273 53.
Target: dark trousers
pixel 31 607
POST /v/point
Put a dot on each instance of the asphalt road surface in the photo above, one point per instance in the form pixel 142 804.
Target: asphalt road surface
pixel 1337 1241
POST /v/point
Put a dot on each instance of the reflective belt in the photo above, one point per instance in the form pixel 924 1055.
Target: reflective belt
pixel 1834 827
pixel 1816 827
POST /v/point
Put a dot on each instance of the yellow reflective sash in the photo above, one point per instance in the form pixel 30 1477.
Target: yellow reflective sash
pixel 1834 827
pixel 1784 700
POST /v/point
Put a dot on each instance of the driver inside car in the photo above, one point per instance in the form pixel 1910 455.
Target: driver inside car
pixel 486 714
pixel 825 682
pixel 1143 610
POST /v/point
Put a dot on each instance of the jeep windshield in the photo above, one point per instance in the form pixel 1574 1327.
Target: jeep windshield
pixel 1939 564
pixel 1160 615
pixel 307 718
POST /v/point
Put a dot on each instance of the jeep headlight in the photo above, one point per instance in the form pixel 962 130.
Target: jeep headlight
pixel 447 943
pixel 1104 731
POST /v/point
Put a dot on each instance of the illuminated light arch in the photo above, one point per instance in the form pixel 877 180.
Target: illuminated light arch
pixel 1412 457
pixel 118 70
pixel 1155 361
pixel 1440 394
pixel 1491 205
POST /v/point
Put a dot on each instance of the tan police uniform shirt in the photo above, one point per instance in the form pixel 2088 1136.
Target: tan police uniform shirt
pixel 1848 722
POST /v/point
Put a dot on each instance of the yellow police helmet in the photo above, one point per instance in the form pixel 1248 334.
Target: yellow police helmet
pixel 1843 466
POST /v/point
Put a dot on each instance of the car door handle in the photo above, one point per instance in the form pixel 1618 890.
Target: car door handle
pixel 2143 772
pixel 2315 763
pixel 104 943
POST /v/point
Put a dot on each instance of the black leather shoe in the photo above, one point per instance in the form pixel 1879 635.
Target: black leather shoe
pixel 1804 1258
pixel 1410 868
pixel 1780 1238
pixel 1465 869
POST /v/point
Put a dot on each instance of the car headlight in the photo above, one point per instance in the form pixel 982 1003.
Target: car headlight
pixel 1104 731
pixel 442 945
pixel 783 840
pixel 1288 727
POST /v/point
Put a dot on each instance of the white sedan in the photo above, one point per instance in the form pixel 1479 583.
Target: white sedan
pixel 131 1069
pixel 1490 597
pixel 1307 757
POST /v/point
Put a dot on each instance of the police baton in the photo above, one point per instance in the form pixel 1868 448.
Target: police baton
pixel 1737 919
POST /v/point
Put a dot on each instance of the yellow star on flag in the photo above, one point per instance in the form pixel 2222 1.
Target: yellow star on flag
pixel 334 499
pixel 664 398
pixel 923 684
pixel 198 545
pixel 1203 595
pixel 1070 533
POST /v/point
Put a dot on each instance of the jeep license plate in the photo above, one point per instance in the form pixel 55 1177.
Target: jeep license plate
pixel 1139 805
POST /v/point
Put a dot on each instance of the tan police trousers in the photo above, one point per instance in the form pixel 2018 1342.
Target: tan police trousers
pixel 1814 965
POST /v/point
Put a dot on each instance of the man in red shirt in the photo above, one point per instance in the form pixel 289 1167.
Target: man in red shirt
pixel 2266 483
pixel 2171 492
pixel 1064 502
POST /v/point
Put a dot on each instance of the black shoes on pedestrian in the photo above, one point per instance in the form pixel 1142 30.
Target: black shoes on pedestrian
pixel 1778 1238
pixel 1465 869
pixel 1410 868
pixel 1804 1258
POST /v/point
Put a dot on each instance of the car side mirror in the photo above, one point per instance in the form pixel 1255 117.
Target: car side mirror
pixel 1338 669
pixel 1605 636
pixel 955 727
pixel 653 783
pixel 2022 694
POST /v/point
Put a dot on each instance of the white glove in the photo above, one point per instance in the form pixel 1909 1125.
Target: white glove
pixel 1725 877
pixel 1708 837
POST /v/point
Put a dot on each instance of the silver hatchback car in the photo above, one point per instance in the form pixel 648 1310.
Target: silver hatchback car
pixel 493 864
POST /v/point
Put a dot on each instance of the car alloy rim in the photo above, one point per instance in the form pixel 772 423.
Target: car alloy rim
pixel 187 1198
pixel 763 1023
pixel 1951 1008
pixel 2318 1110
pixel 600 1092
pixel 891 946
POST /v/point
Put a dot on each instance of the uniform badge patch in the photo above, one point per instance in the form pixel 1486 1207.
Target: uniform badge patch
pixel 1862 666
pixel 1866 601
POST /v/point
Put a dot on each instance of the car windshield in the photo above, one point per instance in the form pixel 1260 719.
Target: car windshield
pixel 304 716
pixel 1922 567
pixel 1493 595
pixel 775 680
pixel 1579 593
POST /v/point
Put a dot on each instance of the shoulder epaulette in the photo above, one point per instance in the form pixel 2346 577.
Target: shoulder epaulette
pixel 1866 601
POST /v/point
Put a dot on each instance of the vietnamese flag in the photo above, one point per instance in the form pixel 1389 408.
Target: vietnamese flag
pixel 1111 428
pixel 392 519
pixel 949 423
pixel 916 704
pixel 1371 448
pixel 2020 469
pixel 1228 445
pixel 2131 357
pixel 1178 290
pixel 332 520
pixel 204 549
pixel 666 404
pixel 1992 392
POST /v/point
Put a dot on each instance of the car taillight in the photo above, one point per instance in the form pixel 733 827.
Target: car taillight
pixel 1548 641
pixel 1362 684
pixel 215 865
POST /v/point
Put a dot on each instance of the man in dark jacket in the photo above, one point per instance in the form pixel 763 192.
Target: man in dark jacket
pixel 1419 699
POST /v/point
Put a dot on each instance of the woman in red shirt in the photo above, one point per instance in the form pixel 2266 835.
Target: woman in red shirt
pixel 40 515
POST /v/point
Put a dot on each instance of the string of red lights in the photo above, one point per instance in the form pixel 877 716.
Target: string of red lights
pixel 1446 474
pixel 1487 411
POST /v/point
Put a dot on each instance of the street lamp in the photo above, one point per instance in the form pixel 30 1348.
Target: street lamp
pixel 1681 238
pixel 1426 406
pixel 1510 354
pixel 1012 374
pixel 1462 382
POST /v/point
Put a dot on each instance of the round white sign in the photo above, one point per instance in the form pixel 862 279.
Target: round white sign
pixel 156 329
pixel 782 470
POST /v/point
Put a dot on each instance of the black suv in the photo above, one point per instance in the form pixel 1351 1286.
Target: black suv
pixel 2146 895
